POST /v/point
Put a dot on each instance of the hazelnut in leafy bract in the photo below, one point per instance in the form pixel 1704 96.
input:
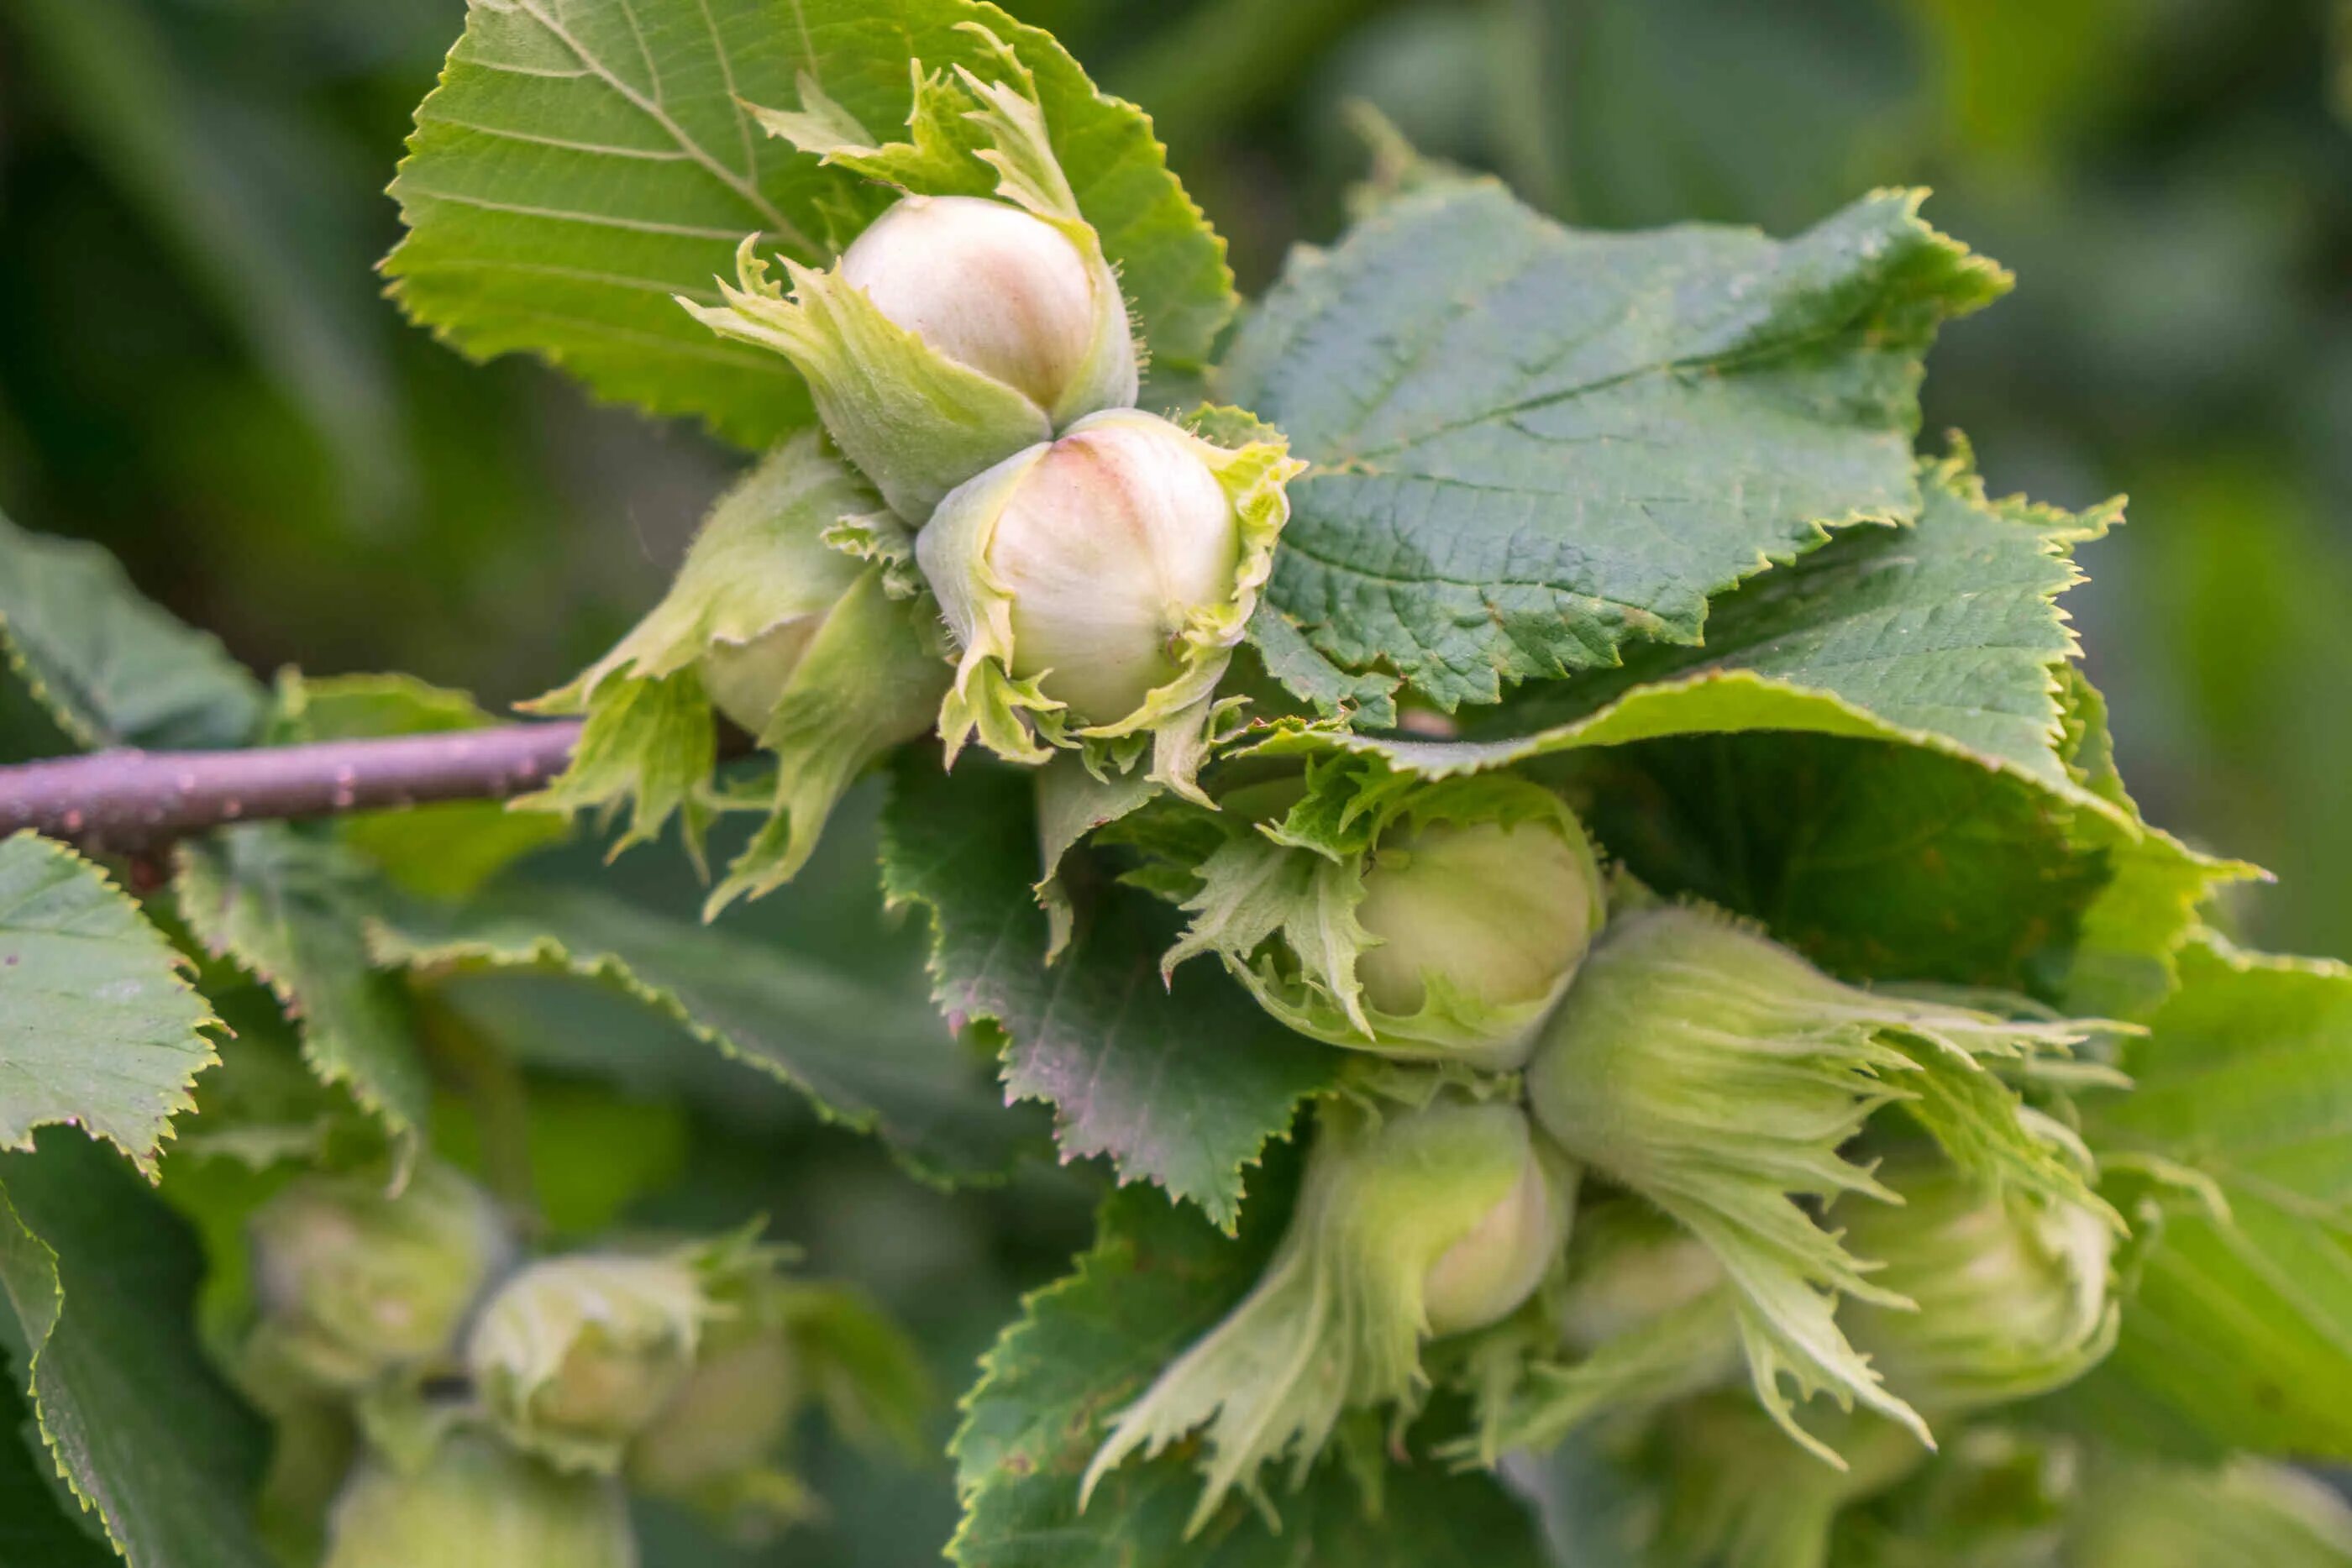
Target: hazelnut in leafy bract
pixel 797 615
pixel 1097 585
pixel 1004 292
pixel 1413 1222
pixel 473 1502
pixel 1718 1075
pixel 574 1356
pixel 728 1417
pixel 958 328
pixel 2011 1291
pixel 355 1283
pixel 1643 1317
pixel 1439 920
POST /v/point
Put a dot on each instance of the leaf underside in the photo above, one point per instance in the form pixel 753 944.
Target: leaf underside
pixel 98 1283
pixel 868 1059
pixel 2242 1328
pixel 107 667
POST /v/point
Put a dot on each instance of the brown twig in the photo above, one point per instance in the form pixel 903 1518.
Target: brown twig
pixel 128 801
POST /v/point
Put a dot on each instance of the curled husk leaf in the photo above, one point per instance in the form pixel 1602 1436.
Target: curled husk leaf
pixel 574 1356
pixel 958 329
pixel 355 1283
pixel 798 614
pixel 1097 585
pixel 2013 1290
pixel 1432 1220
pixel 1440 921
pixel 477 1503
pixel 1717 1075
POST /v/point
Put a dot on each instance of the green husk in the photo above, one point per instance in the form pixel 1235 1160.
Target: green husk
pixel 1718 1076
pixel 1336 1320
pixel 1282 904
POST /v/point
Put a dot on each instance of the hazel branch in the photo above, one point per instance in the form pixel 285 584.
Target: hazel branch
pixel 127 801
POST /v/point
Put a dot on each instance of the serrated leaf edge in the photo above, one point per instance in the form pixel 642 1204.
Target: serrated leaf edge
pixel 180 969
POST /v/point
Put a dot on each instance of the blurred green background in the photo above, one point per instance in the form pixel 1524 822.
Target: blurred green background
pixel 197 368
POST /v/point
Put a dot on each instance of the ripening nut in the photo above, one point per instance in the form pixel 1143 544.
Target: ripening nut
pixel 1444 923
pixel 354 1283
pixel 726 1420
pixel 1099 582
pixel 1106 544
pixel 1484 918
pixel 1645 1319
pixel 1004 292
pixel 573 1357
pixel 475 1503
pixel 1411 1223
pixel 1487 1271
pixel 955 331
pixel 1718 1074
pixel 2013 1290
pixel 745 681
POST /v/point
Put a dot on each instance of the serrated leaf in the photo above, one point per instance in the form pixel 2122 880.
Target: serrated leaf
pixel 97 1289
pixel 443 851
pixel 1183 1086
pixel 1948 633
pixel 286 904
pixel 1533 446
pixel 1085 1346
pixel 868 1058
pixel 108 667
pixel 34 1524
pixel 582 161
pixel 1961 847
pixel 2243 1325
pixel 99 1026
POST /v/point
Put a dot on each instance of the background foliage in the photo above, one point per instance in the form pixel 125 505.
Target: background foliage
pixel 196 371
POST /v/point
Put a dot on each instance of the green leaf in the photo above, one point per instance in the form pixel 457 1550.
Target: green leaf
pixel 96 1286
pixel 1947 633
pixel 108 667
pixel 288 904
pixel 1534 445
pixel 1877 861
pixel 1961 847
pixel 33 1524
pixel 445 851
pixel 99 1025
pixel 868 1059
pixel 582 163
pixel 2243 1325
pixel 1156 1279
pixel 1181 1085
